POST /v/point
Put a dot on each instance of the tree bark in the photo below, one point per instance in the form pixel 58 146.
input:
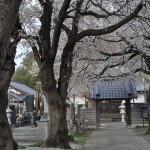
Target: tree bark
pixel 6 139
pixel 58 132
pixel 8 15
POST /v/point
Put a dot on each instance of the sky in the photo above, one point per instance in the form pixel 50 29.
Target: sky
pixel 22 50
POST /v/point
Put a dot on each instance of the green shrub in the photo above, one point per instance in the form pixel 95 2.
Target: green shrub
pixel 147 132
pixel 71 137
pixel 21 147
pixel 79 138
pixel 37 144
pixel 141 126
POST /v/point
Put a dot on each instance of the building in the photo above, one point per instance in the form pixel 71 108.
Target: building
pixel 17 95
pixel 110 93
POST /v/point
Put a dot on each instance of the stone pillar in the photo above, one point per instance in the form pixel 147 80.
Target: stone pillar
pixel 77 126
pixel 9 115
pixel 12 107
pixel 29 103
pixel 72 116
pixel 122 112
pixel 42 129
pixel 45 105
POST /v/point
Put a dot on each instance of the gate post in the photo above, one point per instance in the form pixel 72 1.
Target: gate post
pixel 128 113
pixel 97 114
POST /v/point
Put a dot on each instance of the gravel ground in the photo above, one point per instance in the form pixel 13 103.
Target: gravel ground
pixel 137 132
pixel 74 147
pixel 141 132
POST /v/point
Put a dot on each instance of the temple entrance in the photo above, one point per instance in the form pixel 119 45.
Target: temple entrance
pixel 108 95
pixel 109 111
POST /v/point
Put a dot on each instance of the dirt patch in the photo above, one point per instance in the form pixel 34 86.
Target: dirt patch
pixel 89 132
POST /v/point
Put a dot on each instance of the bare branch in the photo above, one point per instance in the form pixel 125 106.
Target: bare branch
pixel 114 65
pixel 110 40
pixel 99 59
pixel 91 13
pixel 129 73
pixel 35 51
pixel 126 51
pixel 66 29
pixel 98 32
pixel 57 31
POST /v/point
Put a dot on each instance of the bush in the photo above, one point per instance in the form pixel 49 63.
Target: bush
pixel 71 137
pixel 141 126
pixel 78 137
pixel 21 147
pixel 37 144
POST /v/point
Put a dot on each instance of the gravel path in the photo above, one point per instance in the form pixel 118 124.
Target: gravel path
pixel 116 137
pixel 74 147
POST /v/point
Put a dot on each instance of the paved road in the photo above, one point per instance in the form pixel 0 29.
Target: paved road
pixel 116 137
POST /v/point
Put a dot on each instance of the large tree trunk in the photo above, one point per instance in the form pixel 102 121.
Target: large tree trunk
pixel 6 71
pixel 6 139
pixel 8 15
pixel 58 132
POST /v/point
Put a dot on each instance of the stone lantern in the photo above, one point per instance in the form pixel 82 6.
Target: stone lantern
pixel 122 112
pixel 9 115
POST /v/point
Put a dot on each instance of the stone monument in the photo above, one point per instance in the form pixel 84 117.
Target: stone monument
pixel 29 103
pixel 122 112
pixel 9 115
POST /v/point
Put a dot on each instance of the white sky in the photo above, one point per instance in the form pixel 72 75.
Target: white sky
pixel 22 49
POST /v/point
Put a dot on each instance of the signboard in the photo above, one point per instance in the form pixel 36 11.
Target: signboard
pixel 144 113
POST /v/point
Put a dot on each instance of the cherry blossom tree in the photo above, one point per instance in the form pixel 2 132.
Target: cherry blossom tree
pixel 65 24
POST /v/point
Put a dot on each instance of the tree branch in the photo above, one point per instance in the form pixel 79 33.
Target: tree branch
pixel 91 13
pixel 44 33
pixel 98 32
pixel 67 56
pixel 99 59
pixel 66 29
pixel 118 53
pixel 35 51
pixel 129 73
pixel 57 31
pixel 110 40
pixel 114 65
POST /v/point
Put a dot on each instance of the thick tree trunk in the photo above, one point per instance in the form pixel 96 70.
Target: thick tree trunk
pixel 8 15
pixel 6 139
pixel 58 132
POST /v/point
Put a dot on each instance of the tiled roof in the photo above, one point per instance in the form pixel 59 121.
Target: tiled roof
pixel 22 87
pixel 16 96
pixel 113 90
pixel 142 86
